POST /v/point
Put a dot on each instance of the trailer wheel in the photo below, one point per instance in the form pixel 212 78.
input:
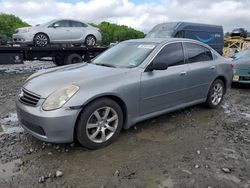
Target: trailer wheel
pixel 59 61
pixel 72 58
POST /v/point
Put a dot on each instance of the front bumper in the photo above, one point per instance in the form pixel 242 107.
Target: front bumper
pixel 55 126
pixel 241 76
pixel 23 37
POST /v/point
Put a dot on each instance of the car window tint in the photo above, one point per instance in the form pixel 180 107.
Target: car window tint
pixel 63 23
pixel 77 24
pixel 172 55
pixel 197 53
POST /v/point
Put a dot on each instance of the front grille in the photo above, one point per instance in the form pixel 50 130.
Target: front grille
pixel 29 98
pixel 245 78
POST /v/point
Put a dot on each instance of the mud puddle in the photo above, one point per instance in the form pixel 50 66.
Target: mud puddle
pixel 10 124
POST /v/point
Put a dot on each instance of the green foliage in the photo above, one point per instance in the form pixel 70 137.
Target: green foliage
pixel 113 32
pixel 9 23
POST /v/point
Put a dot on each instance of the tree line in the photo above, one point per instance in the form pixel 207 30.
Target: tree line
pixel 110 32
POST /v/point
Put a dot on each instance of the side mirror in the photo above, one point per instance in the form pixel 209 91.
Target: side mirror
pixel 157 66
pixel 56 25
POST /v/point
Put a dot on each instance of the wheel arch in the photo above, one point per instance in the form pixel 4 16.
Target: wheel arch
pixel 89 34
pixel 41 33
pixel 113 97
pixel 223 79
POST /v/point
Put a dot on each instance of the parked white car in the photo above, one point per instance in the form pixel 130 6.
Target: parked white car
pixel 58 31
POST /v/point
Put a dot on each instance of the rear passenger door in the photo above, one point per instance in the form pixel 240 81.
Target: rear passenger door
pixel 78 30
pixel 201 68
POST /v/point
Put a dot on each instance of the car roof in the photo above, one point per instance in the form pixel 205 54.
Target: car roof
pixel 162 40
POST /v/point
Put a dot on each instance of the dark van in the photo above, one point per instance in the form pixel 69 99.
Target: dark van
pixel 210 34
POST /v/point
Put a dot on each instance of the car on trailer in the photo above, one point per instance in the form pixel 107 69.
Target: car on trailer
pixel 239 32
pixel 58 31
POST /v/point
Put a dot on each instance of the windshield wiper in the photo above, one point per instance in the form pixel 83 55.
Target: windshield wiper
pixel 105 65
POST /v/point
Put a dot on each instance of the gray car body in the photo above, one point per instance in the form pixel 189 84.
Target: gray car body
pixel 141 94
pixel 57 35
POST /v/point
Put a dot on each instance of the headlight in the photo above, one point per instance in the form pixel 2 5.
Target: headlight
pixel 24 30
pixel 59 98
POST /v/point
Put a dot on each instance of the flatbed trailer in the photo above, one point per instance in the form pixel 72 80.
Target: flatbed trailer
pixel 59 54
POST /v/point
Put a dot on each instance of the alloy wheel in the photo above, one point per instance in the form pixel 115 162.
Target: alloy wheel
pixel 90 41
pixel 102 124
pixel 41 40
pixel 217 94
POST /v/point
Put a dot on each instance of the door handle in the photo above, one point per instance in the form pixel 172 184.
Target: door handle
pixel 183 73
pixel 212 67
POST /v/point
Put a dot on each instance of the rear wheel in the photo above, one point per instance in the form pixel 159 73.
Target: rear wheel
pixel 99 124
pixel 90 40
pixel 41 40
pixel 215 94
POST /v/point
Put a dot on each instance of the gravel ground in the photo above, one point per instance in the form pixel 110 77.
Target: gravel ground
pixel 195 147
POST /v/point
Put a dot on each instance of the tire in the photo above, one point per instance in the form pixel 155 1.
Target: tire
pixel 72 58
pixel 215 94
pixel 87 124
pixel 59 60
pixel 41 40
pixel 90 40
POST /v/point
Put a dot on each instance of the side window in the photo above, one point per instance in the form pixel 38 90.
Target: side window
pixel 197 53
pixel 77 24
pixel 63 23
pixel 172 55
pixel 180 34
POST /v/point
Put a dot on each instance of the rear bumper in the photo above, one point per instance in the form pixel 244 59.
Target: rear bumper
pixel 50 126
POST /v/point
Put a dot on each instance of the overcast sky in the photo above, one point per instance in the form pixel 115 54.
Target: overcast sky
pixel 139 14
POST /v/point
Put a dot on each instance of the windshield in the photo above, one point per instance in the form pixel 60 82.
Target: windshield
pixel 162 31
pixel 243 54
pixel 125 55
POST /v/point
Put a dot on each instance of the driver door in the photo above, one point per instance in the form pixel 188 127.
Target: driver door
pixel 60 31
pixel 163 89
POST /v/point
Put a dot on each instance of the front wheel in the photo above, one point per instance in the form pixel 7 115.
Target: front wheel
pixel 41 40
pixel 215 94
pixel 99 124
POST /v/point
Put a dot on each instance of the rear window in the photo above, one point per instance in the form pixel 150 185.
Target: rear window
pixel 197 53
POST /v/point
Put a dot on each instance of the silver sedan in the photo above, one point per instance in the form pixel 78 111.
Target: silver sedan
pixel 132 81
pixel 58 31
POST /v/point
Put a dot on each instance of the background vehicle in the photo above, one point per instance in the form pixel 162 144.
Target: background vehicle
pixel 209 34
pixel 132 81
pixel 239 32
pixel 241 63
pixel 3 40
pixel 58 31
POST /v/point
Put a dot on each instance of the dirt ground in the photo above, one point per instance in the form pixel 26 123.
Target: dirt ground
pixel 195 147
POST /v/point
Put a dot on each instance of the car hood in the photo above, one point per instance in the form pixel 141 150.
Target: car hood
pixel 242 63
pixel 45 82
pixel 24 28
